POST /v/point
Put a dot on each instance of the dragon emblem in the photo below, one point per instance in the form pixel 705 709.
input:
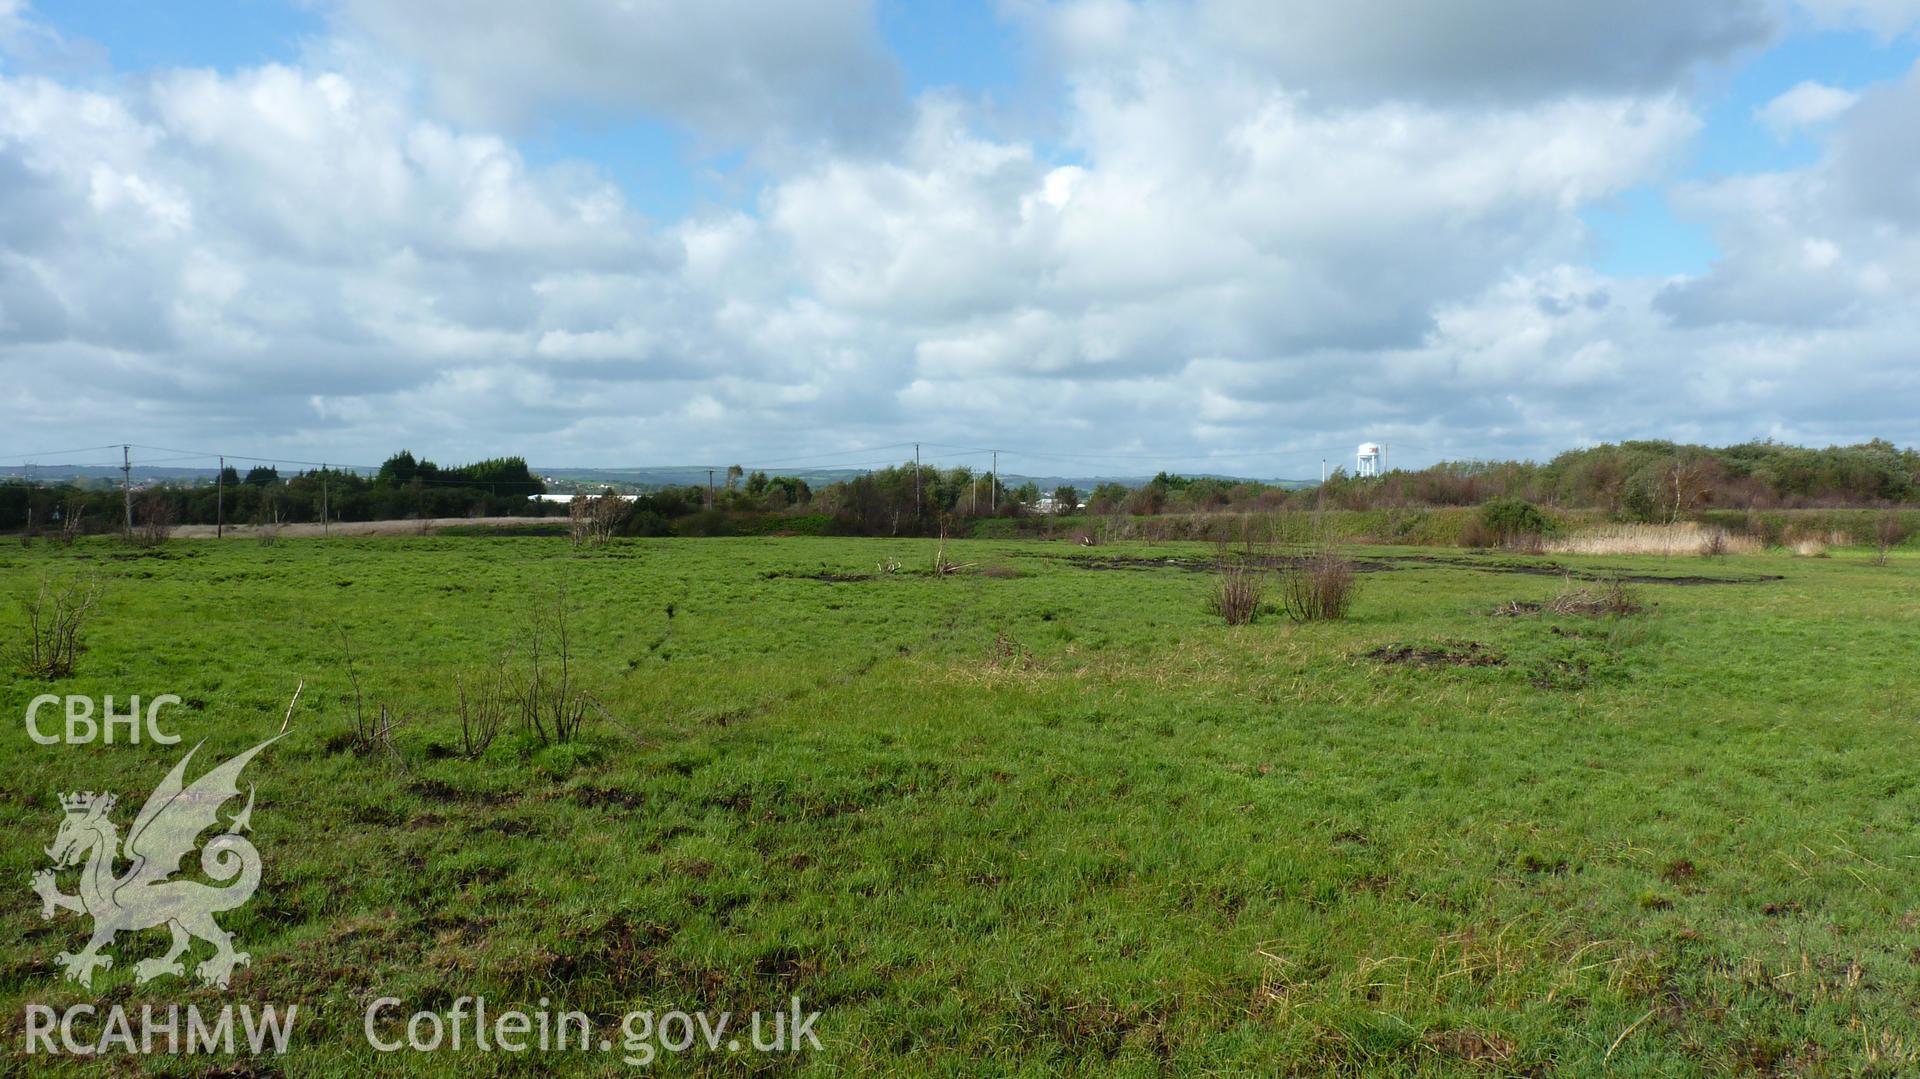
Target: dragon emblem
pixel 142 896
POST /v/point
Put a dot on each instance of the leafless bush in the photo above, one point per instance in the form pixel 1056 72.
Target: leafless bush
pixel 1237 592
pixel 370 733
pixel 1318 587
pixel 1888 532
pixel 1715 544
pixel 55 623
pixel 72 523
pixel 266 535
pixel 486 700
pixel 551 707
pixel 594 519
pixel 153 520
pixel 944 566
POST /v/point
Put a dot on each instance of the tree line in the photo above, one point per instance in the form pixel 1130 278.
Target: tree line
pixel 402 488
pixel 1638 480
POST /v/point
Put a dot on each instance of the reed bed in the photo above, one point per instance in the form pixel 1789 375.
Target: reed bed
pixel 1682 538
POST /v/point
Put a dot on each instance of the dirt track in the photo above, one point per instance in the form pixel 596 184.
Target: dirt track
pixel 425 526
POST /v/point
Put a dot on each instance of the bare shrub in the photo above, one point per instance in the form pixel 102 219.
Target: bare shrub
pixel 944 566
pixel 551 707
pixel 153 520
pixel 486 700
pixel 1889 531
pixel 1715 545
pixel 1810 547
pixel 52 636
pixel 1318 587
pixel 593 520
pixel 1237 591
pixel 72 523
pixel 266 535
pixel 370 733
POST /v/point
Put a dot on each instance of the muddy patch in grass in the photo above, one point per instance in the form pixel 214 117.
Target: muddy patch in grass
pixel 1555 569
pixel 1131 562
pixel 438 790
pixel 1208 565
pixel 826 576
pixel 1438 654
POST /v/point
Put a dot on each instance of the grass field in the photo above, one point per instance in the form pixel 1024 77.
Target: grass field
pixel 1052 819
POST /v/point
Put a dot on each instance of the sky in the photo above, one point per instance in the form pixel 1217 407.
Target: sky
pixel 1098 236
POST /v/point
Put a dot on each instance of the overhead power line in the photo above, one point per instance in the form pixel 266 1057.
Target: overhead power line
pixel 58 453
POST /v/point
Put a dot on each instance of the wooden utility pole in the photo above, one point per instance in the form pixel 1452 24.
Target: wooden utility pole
pixel 326 527
pixel 220 500
pixel 709 488
pixel 126 484
pixel 993 493
pixel 916 481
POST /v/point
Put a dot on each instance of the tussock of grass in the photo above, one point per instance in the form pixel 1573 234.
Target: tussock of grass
pixel 1608 598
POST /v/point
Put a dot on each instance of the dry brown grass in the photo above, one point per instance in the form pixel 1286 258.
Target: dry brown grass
pixel 1607 598
pixel 1682 538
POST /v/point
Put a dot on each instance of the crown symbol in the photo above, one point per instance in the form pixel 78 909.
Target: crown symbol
pixel 85 801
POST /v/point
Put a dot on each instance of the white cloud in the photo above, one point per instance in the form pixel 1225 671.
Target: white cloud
pixel 1808 104
pixel 1837 243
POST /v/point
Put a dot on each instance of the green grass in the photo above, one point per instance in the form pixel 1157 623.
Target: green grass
pixel 1058 821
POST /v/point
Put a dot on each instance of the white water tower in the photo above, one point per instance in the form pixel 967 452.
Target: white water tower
pixel 1369 460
